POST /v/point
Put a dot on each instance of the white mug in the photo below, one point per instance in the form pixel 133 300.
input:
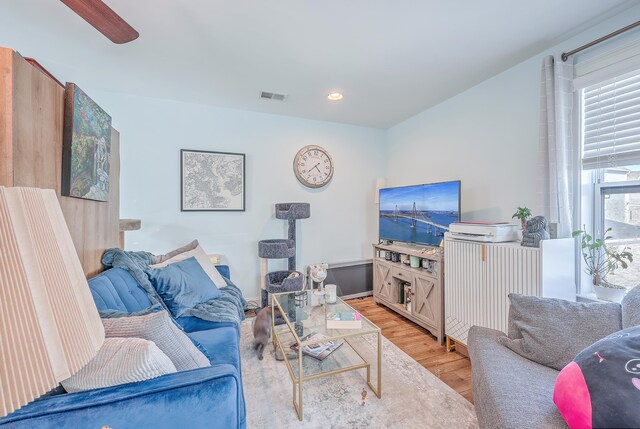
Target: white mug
pixel 330 294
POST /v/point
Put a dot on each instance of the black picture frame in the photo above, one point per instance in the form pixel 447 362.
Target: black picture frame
pixel 194 200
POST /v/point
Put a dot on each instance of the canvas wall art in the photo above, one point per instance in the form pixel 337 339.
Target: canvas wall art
pixel 86 147
pixel 212 181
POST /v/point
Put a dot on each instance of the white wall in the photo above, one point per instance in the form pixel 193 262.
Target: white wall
pixel 343 221
pixel 486 136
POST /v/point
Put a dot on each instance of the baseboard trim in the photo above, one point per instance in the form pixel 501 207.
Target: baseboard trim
pixel 357 295
pixel 256 299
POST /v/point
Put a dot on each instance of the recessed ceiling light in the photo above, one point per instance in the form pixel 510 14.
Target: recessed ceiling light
pixel 335 96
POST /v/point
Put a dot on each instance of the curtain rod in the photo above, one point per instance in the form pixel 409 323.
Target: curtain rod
pixel 565 56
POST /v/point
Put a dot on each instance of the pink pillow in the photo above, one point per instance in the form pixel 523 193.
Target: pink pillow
pixel 601 387
pixel 571 396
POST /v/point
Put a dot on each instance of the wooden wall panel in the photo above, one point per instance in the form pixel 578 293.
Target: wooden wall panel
pixel 31 121
pixel 6 106
pixel 37 127
pixel 100 226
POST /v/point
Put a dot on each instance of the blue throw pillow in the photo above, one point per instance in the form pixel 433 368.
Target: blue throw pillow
pixel 183 285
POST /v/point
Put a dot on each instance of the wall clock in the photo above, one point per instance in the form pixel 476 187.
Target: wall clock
pixel 313 166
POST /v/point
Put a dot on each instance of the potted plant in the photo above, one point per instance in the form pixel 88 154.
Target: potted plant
pixel 601 260
pixel 522 213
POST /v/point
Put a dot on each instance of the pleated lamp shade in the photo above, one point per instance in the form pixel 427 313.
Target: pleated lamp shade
pixel 49 324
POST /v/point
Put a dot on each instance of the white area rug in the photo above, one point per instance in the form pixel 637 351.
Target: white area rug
pixel 412 397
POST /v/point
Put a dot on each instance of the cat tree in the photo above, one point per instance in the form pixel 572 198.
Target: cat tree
pixel 280 281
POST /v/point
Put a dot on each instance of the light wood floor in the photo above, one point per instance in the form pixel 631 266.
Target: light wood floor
pixel 451 367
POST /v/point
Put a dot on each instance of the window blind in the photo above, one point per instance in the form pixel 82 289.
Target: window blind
pixel 611 122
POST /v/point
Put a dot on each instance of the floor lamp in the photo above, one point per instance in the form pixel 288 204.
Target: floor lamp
pixel 49 324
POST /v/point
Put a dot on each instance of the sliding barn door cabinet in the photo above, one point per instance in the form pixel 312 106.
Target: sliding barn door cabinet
pixel 415 293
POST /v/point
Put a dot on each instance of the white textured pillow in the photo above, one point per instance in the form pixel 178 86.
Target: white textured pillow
pixel 204 262
pixel 159 328
pixel 120 361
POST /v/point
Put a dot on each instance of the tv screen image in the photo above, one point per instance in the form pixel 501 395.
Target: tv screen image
pixel 419 214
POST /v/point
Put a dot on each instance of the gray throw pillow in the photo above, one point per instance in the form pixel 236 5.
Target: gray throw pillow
pixel 112 314
pixel 631 308
pixel 159 328
pixel 553 331
pixel 187 247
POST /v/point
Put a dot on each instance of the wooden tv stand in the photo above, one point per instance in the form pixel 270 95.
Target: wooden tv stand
pixel 427 306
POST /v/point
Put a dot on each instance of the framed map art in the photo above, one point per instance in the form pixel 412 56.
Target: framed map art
pixel 212 181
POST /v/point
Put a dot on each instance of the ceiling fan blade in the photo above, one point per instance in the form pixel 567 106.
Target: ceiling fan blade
pixel 104 19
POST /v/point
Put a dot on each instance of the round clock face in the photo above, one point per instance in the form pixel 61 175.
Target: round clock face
pixel 313 166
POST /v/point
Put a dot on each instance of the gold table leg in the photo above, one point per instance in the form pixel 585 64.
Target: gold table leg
pixel 300 377
pixel 379 393
pixel 273 324
pixel 367 365
pixel 450 344
pixel 378 390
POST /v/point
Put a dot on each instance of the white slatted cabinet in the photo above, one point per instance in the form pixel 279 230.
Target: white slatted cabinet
pixel 480 276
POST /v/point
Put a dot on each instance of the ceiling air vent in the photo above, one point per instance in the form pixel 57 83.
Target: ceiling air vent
pixel 272 96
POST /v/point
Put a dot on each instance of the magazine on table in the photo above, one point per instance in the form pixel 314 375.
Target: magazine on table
pixel 344 320
pixel 319 350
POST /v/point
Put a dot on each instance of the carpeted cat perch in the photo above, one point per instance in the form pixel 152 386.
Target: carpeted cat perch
pixel 282 281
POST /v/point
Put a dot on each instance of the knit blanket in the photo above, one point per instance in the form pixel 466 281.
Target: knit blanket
pixel 228 307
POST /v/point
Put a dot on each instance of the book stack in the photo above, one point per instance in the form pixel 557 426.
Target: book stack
pixel 404 294
pixel 344 320
pixel 319 350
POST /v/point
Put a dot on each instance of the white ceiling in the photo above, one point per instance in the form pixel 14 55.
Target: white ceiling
pixel 391 59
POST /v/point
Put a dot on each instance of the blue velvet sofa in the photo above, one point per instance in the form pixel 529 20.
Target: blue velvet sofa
pixel 209 397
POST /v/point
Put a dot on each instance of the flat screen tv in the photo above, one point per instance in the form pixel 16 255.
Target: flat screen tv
pixel 419 214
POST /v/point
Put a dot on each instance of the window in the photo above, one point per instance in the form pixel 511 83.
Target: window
pixel 610 141
pixel 618 207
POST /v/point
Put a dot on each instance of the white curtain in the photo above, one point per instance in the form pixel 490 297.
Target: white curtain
pixel 557 158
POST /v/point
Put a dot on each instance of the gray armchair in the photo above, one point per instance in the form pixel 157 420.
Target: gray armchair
pixel 512 391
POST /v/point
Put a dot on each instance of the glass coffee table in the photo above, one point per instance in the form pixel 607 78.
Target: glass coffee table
pixel 304 313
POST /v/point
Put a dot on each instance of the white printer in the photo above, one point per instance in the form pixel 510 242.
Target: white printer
pixel 483 232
